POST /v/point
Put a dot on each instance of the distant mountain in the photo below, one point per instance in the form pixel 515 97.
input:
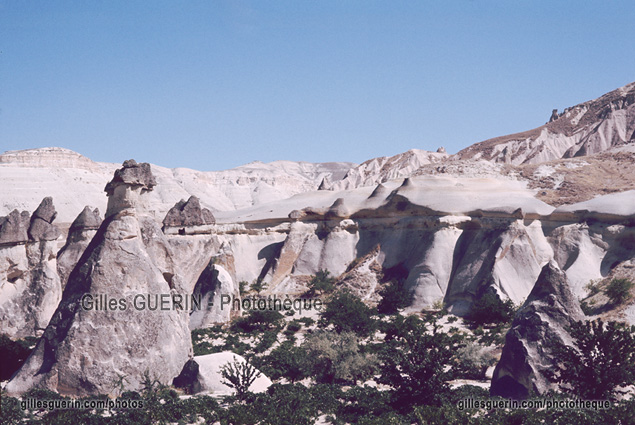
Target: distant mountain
pixel 75 181
pixel 585 129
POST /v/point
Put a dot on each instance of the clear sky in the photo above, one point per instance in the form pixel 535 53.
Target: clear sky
pixel 211 85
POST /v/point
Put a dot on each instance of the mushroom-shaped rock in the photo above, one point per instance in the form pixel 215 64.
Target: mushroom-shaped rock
pixel 132 174
pixel 189 213
pixel 42 227
pixel 127 184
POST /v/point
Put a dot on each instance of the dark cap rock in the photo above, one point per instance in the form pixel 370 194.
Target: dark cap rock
pixel 138 175
pixel 42 227
pixel 87 220
pixel 189 213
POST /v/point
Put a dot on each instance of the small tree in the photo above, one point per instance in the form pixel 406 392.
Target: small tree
pixel 601 360
pixel 347 313
pixel 239 376
pixel 394 296
pixel 333 357
pixel 258 285
pixel 286 361
pixel 417 359
pixel 619 291
pixel 490 309
pixel 321 283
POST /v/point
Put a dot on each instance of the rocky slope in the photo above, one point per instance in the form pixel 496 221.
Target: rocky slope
pixel 585 129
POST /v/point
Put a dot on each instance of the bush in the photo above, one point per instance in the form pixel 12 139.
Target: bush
pixel 259 320
pixel 333 357
pixel 242 287
pixel 417 360
pixel 239 376
pixel 619 291
pixel 490 309
pixel 362 404
pixel 472 361
pixel 321 283
pixel 285 361
pixel 592 287
pixel 258 285
pixel 347 313
pixel 601 360
pixel 395 295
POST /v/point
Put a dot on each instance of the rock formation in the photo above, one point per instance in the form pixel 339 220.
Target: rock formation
pixel 42 227
pixel 217 290
pixel 554 115
pixel 80 234
pixel 456 226
pixel 186 214
pixel 121 313
pixel 588 128
pixel 14 227
pixel 30 288
pixel 550 308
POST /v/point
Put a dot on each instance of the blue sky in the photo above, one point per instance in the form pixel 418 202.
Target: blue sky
pixel 214 84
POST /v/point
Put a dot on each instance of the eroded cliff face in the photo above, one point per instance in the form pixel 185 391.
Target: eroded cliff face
pixel 450 256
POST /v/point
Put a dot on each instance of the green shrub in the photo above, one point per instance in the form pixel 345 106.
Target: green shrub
pixel 592 287
pixel 321 283
pixel 619 290
pixel 601 360
pixel 337 357
pixel 490 309
pixel 239 376
pixel 362 405
pixel 307 321
pixel 242 287
pixel 266 340
pixel 416 362
pixel 258 285
pixel 347 313
pixel 472 361
pixel 259 320
pixel 285 361
pixel 394 295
